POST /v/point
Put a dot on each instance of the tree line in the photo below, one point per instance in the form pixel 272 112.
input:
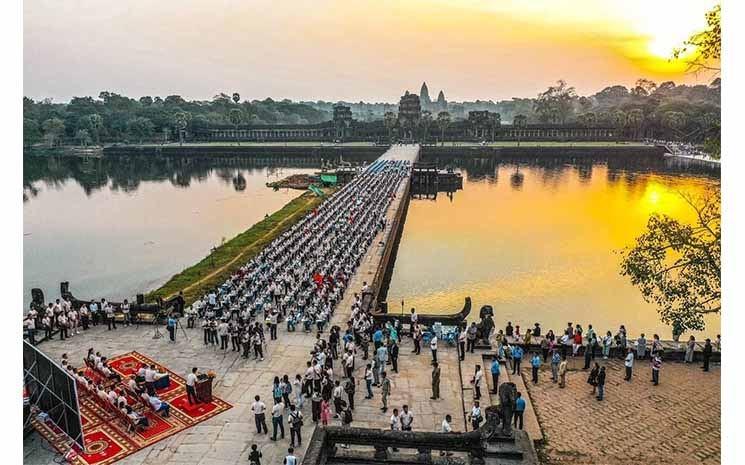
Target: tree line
pixel 114 118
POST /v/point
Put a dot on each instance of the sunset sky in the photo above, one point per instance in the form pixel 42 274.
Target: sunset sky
pixel 354 50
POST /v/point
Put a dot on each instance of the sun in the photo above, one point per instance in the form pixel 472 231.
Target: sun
pixel 668 28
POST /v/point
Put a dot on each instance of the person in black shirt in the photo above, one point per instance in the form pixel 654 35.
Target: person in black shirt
pixel 393 350
pixel 508 330
pixel 707 355
pixel 537 330
pixel 254 457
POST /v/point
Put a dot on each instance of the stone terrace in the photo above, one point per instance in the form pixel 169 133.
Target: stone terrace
pixel 677 422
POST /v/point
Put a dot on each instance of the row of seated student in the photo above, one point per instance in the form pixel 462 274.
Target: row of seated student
pixel 115 399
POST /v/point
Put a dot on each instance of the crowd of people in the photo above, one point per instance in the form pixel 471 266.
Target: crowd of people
pixel 62 317
pixel 588 344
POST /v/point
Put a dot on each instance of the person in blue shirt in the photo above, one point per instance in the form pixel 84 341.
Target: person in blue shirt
pixel 517 357
pixel 171 326
pixel 378 338
pixel 519 411
pixel 495 370
pixel 535 364
pixel 555 361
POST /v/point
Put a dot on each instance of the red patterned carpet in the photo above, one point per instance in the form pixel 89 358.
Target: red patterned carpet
pixel 107 439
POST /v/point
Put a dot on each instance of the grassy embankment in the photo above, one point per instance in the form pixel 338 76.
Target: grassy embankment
pixel 228 257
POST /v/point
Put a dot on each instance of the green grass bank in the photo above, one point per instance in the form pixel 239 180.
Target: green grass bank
pixel 216 267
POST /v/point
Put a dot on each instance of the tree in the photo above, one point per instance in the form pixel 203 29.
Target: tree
pixel 425 121
pixel 520 121
pixel 635 120
pixel 443 121
pixel 674 120
pixel 94 125
pixel 53 128
pixel 31 133
pixel 180 123
pixel 389 120
pixel 643 88
pixel 236 118
pixel 678 266
pixel 588 119
pixel 83 137
pixel 146 101
pixel 619 122
pixel 705 46
pixel 140 128
pixel 556 103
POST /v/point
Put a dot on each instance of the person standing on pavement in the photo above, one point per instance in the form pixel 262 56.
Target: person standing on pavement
pixel 690 347
pixel 295 419
pixel 601 383
pixel 259 410
pixel 417 336
pixel 563 372
pixel 407 418
pixel 707 354
pixel 555 361
pixel 471 337
pixel 517 357
pixel 393 350
pixel 535 365
pixel 519 411
pixel 462 343
pixel 435 381
pixel 385 391
pixel 656 366
pixel 629 364
pixel 592 380
pixel 478 378
pixel 349 387
pixel 433 348
pixel 290 458
pixel 278 412
pixel 495 371
pixel 369 380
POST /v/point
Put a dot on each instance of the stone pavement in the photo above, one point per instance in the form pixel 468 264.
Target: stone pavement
pixel 677 422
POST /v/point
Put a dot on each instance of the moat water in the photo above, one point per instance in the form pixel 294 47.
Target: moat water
pixel 114 227
pixel 536 239
pixel 539 242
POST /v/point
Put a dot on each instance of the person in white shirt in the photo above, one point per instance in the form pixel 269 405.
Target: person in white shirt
pixel 478 377
pixel 395 421
pixel 191 393
pixel 629 364
pixel 125 311
pixel 413 323
pixel 433 347
pixel 151 375
pixel 72 316
pixel 475 415
pixel 446 428
pixel 259 410
pixel 157 404
pixel 278 411
pixel 406 418
pixel 62 324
